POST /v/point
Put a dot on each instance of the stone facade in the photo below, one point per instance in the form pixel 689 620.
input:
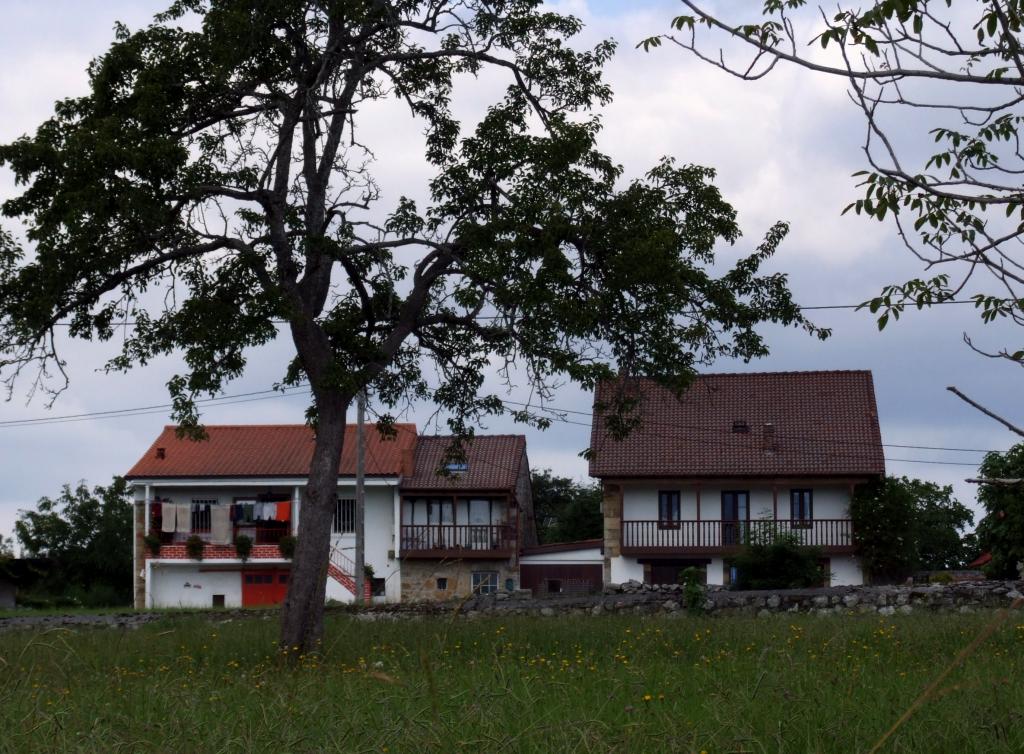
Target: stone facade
pixel 611 505
pixel 420 577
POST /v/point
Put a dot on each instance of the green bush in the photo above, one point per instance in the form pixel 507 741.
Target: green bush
pixel 287 546
pixel 243 546
pixel 778 561
pixel 194 547
pixel 941 578
pixel 693 581
pixel 152 544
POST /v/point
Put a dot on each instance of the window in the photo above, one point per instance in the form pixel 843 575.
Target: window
pixel 456 468
pixel 485 582
pixel 442 584
pixel 668 509
pixel 344 516
pixel 218 600
pixel 801 508
pixel 554 586
pixel 200 519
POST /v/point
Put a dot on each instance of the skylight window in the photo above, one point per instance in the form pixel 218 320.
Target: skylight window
pixel 457 468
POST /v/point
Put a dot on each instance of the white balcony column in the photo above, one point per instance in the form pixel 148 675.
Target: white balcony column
pixel 296 499
pixel 149 499
pixel 397 534
pixel 148 596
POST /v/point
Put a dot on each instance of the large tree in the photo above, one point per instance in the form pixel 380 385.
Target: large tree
pixel 1001 531
pixel 922 72
pixel 902 525
pixel 88 536
pixel 215 181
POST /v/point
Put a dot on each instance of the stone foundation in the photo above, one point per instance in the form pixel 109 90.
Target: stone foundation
pixel 420 578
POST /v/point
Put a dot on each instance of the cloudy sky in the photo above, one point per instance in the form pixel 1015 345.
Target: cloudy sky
pixel 784 148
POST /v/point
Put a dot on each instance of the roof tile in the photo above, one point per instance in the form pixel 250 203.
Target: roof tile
pixel 800 423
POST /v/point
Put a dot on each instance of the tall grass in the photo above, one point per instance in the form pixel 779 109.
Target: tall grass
pixel 614 683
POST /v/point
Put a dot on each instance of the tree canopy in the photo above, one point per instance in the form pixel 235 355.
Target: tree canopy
pixel 88 536
pixel 566 510
pixel 902 525
pixel 1001 531
pixel 216 188
pixel 922 72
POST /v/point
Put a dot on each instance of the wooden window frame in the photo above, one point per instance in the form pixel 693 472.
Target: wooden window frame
pixel 668 522
pixel 801 522
pixel 475 582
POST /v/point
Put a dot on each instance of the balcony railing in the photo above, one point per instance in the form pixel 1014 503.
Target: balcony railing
pixel 457 540
pixel 712 535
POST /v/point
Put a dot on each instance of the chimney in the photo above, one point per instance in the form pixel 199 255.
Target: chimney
pixel 161 453
pixel 768 437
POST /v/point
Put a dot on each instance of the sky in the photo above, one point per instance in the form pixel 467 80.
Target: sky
pixel 784 148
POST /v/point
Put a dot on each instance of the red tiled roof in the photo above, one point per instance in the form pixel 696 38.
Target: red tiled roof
pixel 825 424
pixel 493 463
pixel 268 450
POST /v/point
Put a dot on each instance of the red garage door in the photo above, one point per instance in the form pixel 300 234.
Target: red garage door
pixel 557 578
pixel 264 587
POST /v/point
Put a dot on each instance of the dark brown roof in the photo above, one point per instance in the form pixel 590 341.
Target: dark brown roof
pixel 267 450
pixel 493 463
pixel 580 544
pixel 824 423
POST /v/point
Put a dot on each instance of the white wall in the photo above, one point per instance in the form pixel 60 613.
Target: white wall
pixel 571 557
pixel 846 571
pixel 379 528
pixel 623 569
pixel 640 501
pixel 184 585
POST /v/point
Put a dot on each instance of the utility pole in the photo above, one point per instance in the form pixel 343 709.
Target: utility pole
pixel 360 559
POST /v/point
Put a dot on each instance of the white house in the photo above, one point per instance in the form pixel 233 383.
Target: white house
pixel 733 457
pixel 456 531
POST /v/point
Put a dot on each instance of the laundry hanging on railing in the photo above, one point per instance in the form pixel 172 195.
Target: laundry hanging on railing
pixel 183 514
pixel 250 512
pixel 167 517
pixel 220 525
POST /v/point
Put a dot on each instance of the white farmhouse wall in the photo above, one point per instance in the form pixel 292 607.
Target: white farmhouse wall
pixel 625 569
pixel 846 571
pixel 379 528
pixel 571 557
pixel 185 585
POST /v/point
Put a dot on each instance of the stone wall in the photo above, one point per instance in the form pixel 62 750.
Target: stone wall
pixel 636 598
pixel 420 577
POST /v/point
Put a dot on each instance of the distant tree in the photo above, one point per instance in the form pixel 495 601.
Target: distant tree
pixel 921 72
pixel 566 510
pixel 902 525
pixel 88 536
pixel 1001 531
pixel 6 547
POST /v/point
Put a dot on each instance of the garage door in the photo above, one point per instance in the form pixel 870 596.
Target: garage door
pixel 264 587
pixel 557 578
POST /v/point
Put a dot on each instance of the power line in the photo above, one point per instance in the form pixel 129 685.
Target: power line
pixel 489 317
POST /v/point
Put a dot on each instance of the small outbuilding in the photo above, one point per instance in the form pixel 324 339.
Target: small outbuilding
pixel 563 568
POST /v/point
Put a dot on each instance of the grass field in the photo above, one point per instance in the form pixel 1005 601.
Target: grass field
pixel 614 683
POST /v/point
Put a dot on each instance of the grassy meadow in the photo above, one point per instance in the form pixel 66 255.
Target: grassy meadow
pixel 614 683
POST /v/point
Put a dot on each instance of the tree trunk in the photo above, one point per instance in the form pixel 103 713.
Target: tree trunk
pixel 302 615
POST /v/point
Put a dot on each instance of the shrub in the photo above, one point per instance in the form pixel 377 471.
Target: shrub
pixel 368 571
pixel 778 561
pixel 243 546
pixel 941 578
pixel 194 547
pixel 287 546
pixel 693 581
pixel 152 544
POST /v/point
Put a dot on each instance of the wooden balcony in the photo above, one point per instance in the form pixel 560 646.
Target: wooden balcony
pixel 716 537
pixel 457 541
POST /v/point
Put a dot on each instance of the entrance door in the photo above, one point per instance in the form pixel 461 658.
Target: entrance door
pixel 735 516
pixel 264 587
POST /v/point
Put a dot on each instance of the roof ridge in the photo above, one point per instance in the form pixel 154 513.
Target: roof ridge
pixel 279 426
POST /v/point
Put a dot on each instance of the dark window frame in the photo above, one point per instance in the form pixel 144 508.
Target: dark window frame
pixel 672 502
pixel 801 521
pixel 344 521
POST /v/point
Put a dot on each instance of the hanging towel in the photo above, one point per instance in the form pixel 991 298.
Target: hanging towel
pixel 269 511
pixel 167 511
pixel 220 525
pixel 184 514
pixel 284 511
